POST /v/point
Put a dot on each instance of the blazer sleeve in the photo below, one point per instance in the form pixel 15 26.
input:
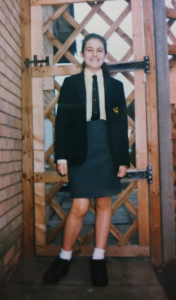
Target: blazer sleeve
pixel 124 145
pixel 61 122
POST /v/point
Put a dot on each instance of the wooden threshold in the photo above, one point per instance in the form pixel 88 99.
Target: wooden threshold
pixel 120 251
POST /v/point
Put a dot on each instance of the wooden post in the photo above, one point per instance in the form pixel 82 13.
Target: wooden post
pixel 165 138
pixel 28 189
pixel 38 126
pixel 140 124
pixel 152 132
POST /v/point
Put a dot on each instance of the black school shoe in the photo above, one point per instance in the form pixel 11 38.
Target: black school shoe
pixel 57 269
pixel 99 272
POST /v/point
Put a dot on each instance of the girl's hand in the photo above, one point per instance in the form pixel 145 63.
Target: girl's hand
pixel 62 169
pixel 122 171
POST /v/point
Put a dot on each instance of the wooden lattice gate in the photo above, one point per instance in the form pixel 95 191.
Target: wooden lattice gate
pixel 138 129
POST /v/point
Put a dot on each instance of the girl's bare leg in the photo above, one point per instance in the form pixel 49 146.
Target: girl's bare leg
pixel 102 221
pixel 74 221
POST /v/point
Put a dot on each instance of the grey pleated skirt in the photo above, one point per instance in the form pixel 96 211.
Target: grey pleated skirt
pixel 97 176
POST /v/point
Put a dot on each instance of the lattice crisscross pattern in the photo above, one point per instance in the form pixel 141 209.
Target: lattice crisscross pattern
pixel 114 27
pixel 137 130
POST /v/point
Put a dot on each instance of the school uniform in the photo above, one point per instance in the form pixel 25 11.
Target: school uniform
pixel 93 149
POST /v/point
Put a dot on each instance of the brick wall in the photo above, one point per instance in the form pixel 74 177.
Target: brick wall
pixel 11 220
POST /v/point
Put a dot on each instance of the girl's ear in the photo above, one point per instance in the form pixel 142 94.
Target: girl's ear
pixel 82 56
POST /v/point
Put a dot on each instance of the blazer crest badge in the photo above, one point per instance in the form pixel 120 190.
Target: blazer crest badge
pixel 116 110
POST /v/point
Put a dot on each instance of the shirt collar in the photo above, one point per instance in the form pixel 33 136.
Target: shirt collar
pixel 88 74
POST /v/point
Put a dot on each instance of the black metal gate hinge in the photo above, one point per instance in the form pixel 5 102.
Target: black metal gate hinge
pixel 131 66
pixel 36 61
pixel 138 175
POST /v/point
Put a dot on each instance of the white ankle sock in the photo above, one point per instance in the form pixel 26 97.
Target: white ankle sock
pixel 65 254
pixel 98 253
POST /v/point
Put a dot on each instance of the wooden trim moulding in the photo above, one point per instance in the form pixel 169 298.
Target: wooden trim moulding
pixel 152 131
pixel 119 251
pixel 28 183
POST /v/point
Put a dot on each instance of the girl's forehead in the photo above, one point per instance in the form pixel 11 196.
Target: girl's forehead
pixel 94 43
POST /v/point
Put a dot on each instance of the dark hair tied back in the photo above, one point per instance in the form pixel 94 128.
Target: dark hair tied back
pixel 104 66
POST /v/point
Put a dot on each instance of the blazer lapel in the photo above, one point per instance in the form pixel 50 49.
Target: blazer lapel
pixel 108 90
pixel 80 83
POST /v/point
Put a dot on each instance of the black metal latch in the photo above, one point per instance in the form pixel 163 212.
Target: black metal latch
pixel 138 175
pixel 132 66
pixel 36 61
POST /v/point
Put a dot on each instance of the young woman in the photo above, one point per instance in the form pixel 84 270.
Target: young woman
pixel 91 145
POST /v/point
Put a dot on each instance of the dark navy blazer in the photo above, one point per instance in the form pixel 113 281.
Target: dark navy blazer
pixel 70 127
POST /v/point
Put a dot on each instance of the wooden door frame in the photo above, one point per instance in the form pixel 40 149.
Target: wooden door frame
pixel 165 132
pixel 153 150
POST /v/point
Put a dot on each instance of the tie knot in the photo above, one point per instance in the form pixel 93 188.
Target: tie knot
pixel 94 77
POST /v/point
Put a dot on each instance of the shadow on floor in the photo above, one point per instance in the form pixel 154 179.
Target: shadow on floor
pixel 129 279
pixel 167 278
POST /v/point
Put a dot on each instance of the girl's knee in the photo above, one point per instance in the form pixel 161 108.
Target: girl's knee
pixel 103 203
pixel 80 207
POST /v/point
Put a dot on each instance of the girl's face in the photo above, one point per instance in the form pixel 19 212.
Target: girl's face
pixel 94 55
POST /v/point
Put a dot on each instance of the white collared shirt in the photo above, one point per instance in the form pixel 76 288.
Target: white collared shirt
pixel 88 83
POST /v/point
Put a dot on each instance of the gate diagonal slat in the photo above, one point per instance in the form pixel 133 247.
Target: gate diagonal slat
pixel 88 237
pixel 128 233
pixel 122 196
pixel 59 45
pixel 130 98
pixel 57 208
pixel 50 194
pixel 53 40
pixel 75 24
pixel 57 86
pixel 50 107
pixel 49 152
pixel 51 117
pixel 174 3
pixel 51 237
pixel 116 23
pixel 114 231
pixel 62 215
pixel 131 123
pixel 54 17
pixel 131 207
pixel 132 139
pixel 51 163
pixel 72 37
pixel 127 55
pixel 171 35
pixel 119 31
